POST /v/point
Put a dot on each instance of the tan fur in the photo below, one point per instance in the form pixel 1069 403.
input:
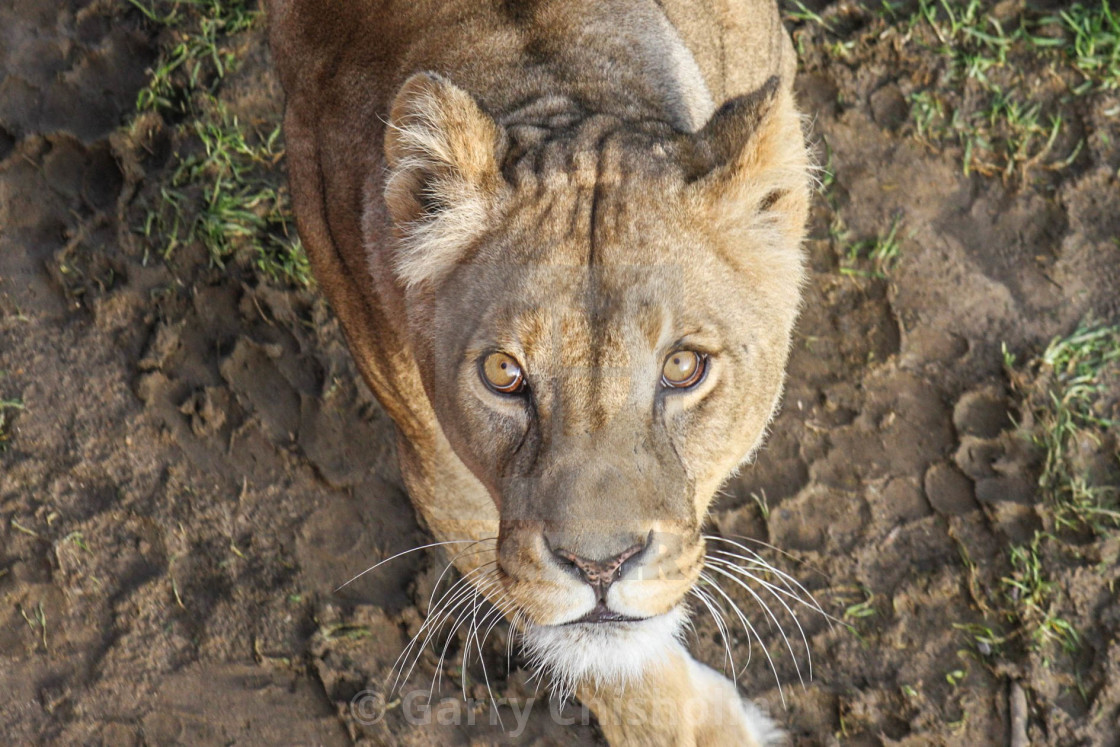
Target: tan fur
pixel 549 179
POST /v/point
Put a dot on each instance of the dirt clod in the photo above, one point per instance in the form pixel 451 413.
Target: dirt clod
pixel 948 490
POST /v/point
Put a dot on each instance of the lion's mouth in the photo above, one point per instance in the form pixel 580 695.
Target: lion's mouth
pixel 601 613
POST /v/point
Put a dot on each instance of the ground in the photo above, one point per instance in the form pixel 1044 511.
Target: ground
pixel 189 465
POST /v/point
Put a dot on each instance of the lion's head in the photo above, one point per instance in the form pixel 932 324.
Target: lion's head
pixel 601 312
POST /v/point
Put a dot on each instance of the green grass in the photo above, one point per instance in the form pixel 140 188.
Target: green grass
pixel 1009 132
pixel 1033 599
pixel 986 640
pixel 224 187
pixel 997 86
pixel 927 111
pixel 858 603
pixel 37 621
pixel 860 610
pixel 1085 36
pixel 78 540
pixel 796 11
pixel 345 631
pixel 1076 375
pixel 1069 395
pixel 199 57
pixel 873 258
pixel 1091 42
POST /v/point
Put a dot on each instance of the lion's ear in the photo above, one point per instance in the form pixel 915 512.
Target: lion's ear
pixel 751 155
pixel 443 180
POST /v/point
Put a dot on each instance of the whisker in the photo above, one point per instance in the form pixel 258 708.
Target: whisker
pixel 467 646
pixel 459 619
pixel 768 546
pixel 451 563
pixel 753 557
pixel 448 607
pixel 757 561
pixel 763 543
pixel 509 641
pixel 718 618
pixel 749 629
pixel 460 607
pixel 785 590
pixel 777 592
pixel 455 597
pixel 480 586
pixel 761 603
pixel 431 627
pixel 538 675
pixel 482 663
pixel 485 586
pixel 476 624
pixel 438 610
pixel 406 552
pixel 774 591
pixel 503 611
pixel 696 635
pixel 786 578
pixel 692 628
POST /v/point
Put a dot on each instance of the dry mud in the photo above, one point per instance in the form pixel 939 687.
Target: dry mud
pixel 196 466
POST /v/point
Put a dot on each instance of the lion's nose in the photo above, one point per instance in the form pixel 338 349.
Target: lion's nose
pixel 599 574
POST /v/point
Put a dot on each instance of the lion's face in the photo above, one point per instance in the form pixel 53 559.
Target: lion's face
pixel 601 312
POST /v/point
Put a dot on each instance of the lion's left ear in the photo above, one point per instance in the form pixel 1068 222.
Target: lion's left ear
pixel 751 157
pixel 444 180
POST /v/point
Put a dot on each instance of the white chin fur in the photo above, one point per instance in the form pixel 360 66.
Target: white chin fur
pixel 601 654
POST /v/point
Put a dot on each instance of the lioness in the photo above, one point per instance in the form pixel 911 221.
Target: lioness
pixel 570 278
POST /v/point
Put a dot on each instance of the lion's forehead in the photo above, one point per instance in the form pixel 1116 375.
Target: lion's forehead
pixel 601 195
pixel 590 362
pixel 580 341
pixel 595 150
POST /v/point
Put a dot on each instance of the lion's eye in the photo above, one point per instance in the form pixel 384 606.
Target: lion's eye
pixel 683 369
pixel 502 373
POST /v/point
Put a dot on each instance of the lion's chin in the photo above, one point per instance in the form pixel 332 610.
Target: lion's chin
pixel 603 654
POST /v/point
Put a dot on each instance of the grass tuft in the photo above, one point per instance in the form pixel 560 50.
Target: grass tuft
pixel 199 55
pixel 1033 598
pixel 976 59
pixel 1004 133
pixel 1071 395
pixel 873 258
pixel 224 190
pixel 1091 42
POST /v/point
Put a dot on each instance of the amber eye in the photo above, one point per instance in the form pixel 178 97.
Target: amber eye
pixel 502 373
pixel 683 369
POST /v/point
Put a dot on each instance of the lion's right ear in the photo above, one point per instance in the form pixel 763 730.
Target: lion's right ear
pixel 750 162
pixel 444 181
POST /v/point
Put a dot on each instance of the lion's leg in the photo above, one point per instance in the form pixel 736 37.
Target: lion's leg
pixel 679 702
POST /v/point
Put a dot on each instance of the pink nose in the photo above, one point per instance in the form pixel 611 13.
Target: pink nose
pixel 599 574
